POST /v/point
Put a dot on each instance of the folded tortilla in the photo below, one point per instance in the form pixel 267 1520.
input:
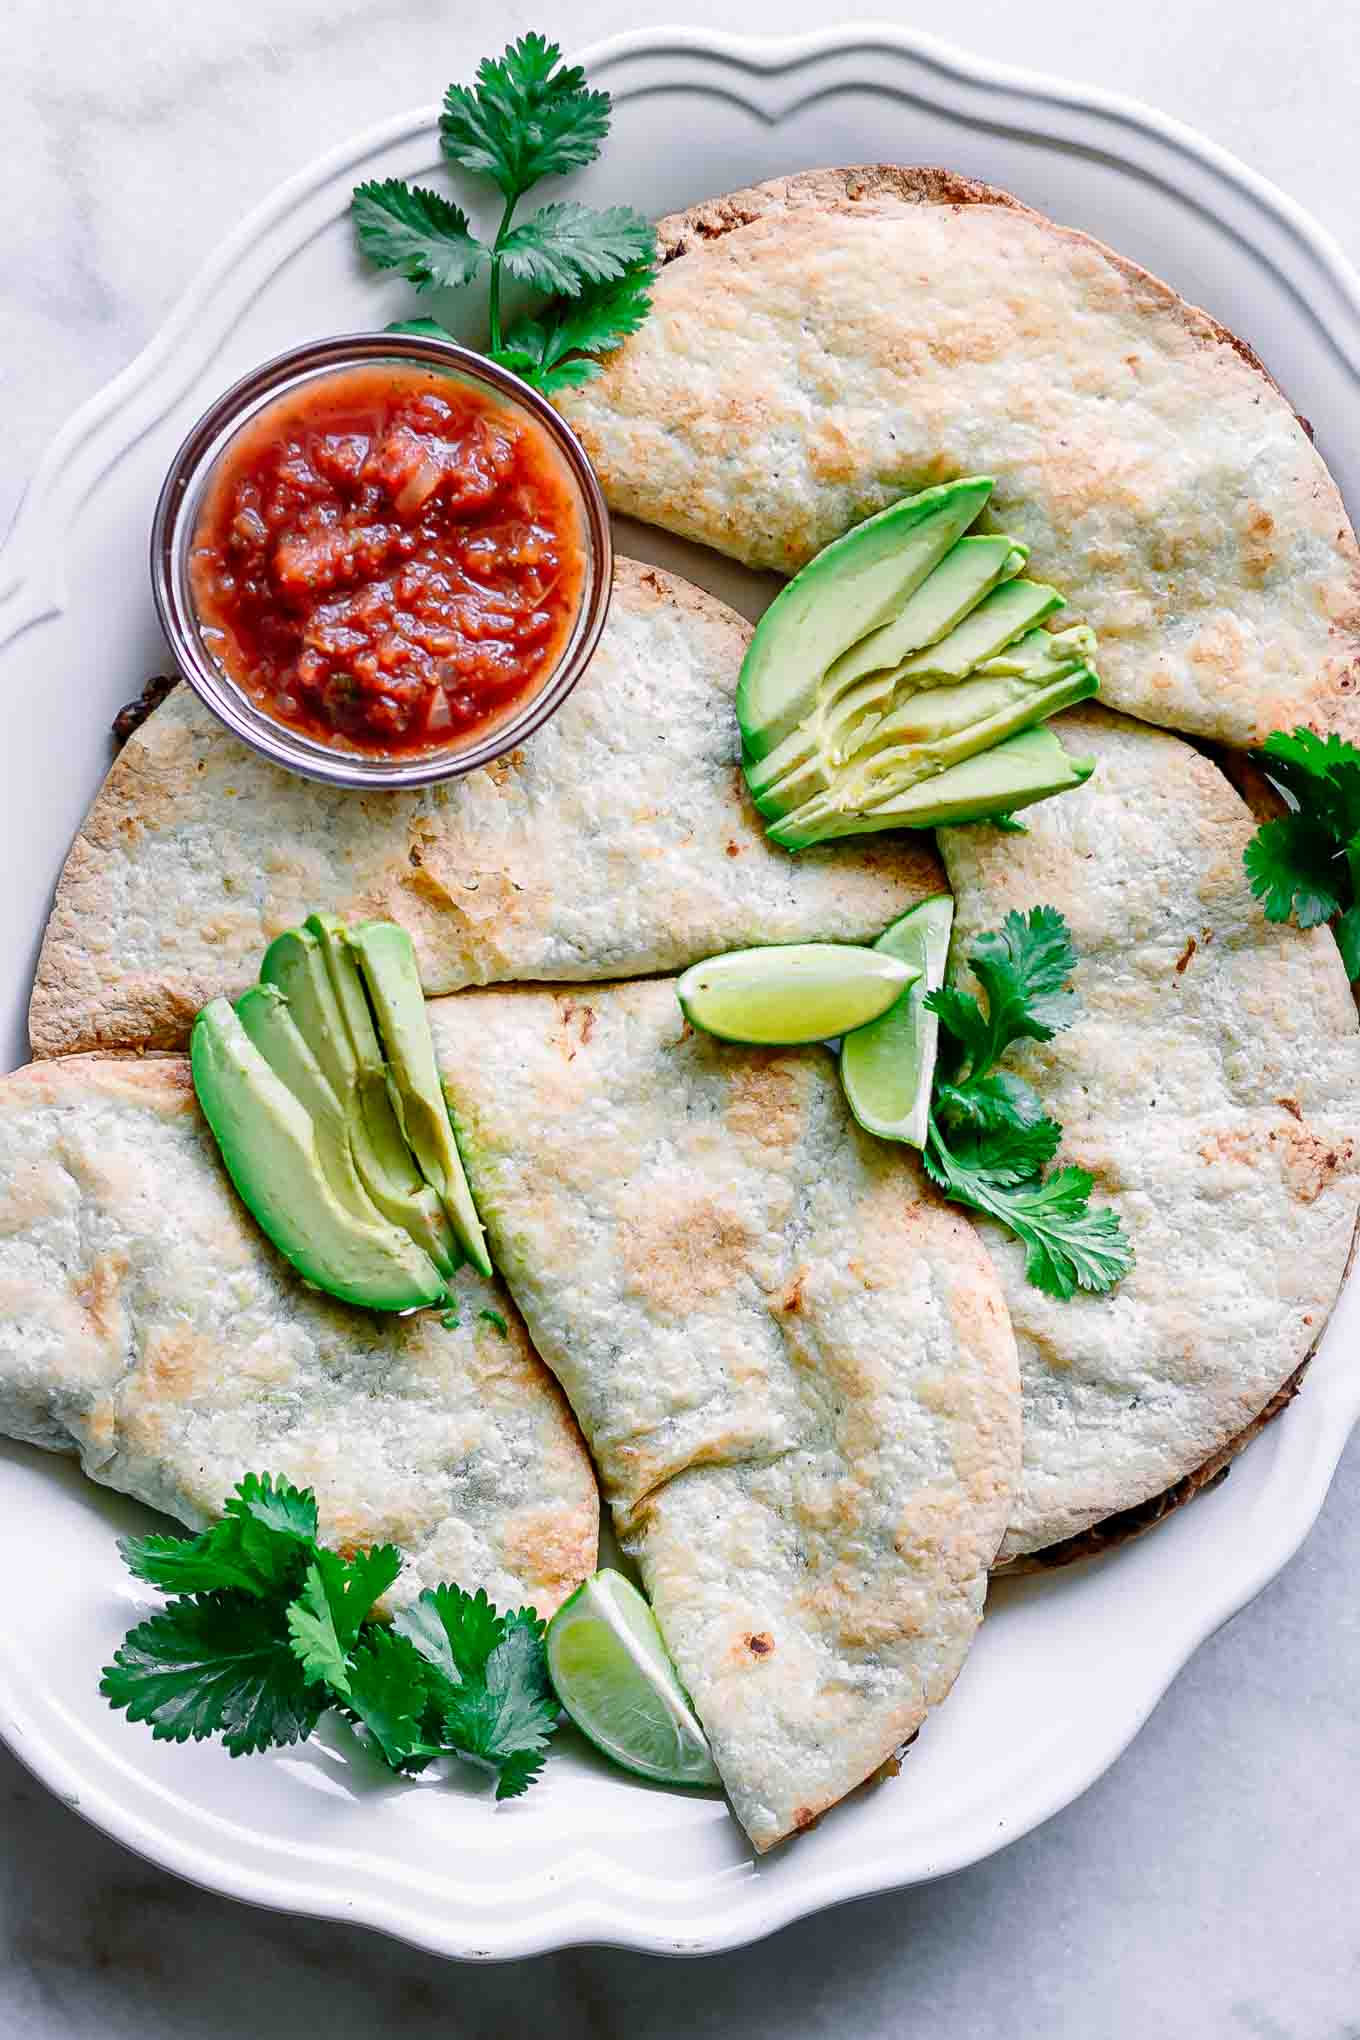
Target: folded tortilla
pixel 1211 1085
pixel 146 1324
pixel 619 840
pixel 824 343
pixel 790 1359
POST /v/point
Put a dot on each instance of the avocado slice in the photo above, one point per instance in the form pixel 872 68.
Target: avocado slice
pixel 998 620
pixel 852 586
pixel 269 1144
pixel 297 964
pixel 1025 768
pixel 386 956
pixel 263 1012
pixel 1043 655
pixel 875 784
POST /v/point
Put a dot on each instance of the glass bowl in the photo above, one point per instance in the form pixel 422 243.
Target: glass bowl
pixel 177 515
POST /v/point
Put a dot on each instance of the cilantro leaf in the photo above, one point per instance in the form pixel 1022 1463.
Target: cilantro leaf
pixel 524 118
pixel 268 1499
pixel 424 237
pixel 217 1665
pixel 1023 967
pixel 324 1621
pixel 1007 1154
pixel 427 329
pixel 1067 1245
pixel 1347 933
pixel 998 1099
pixel 388 1691
pixel 1303 865
pixel 1295 866
pixel 989 1137
pixel 510 1712
pixel 551 350
pixel 495 1319
pixel 453 1631
pixel 260 1546
pixel 566 246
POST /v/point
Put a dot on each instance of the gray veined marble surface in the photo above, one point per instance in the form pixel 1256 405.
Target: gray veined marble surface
pixel 1205 1888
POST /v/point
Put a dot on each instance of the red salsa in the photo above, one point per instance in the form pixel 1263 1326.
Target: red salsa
pixel 388 561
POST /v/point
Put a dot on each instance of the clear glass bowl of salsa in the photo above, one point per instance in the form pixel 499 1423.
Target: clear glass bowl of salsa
pixel 381 560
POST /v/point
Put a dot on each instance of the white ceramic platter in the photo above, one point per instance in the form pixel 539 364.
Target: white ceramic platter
pixel 1068 1666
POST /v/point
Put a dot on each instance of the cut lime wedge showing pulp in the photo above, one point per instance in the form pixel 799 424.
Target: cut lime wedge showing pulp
pixel 888 1067
pixel 610 1668
pixel 792 992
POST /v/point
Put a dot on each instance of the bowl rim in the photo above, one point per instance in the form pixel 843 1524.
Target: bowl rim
pixel 172 528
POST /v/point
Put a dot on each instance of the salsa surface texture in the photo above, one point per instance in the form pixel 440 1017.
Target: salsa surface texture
pixel 388 560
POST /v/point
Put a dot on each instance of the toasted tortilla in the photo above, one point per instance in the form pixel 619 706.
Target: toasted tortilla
pixel 790 1359
pixel 619 840
pixel 1211 1085
pixel 147 1325
pixel 825 343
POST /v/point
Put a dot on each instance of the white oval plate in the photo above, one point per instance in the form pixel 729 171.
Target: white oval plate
pixel 1068 1666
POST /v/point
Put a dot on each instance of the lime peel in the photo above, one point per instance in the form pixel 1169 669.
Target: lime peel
pixel 791 993
pixel 613 1677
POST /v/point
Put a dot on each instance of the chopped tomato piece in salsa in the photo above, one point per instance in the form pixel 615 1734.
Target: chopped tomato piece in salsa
pixel 387 560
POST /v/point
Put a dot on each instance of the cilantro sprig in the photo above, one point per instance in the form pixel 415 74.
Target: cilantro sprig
pixel 990 1138
pixel 527 116
pixel 1305 864
pixel 269 1628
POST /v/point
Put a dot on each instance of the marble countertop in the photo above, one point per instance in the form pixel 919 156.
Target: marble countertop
pixel 1205 1886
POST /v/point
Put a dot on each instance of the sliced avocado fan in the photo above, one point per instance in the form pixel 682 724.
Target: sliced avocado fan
pixel 850 716
pixel 270 1144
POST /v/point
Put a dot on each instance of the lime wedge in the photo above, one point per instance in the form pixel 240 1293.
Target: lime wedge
pixel 887 1068
pixel 610 1668
pixel 791 992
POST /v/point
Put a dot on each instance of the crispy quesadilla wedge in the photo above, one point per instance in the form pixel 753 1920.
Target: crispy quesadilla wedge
pixel 621 839
pixel 789 1357
pixel 146 1324
pixel 825 343
pixel 1211 1085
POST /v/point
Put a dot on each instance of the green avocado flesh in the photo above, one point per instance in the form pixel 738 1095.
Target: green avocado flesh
pixel 888 1067
pixel 299 965
pixel 960 666
pixel 1027 767
pixel 853 586
pixel 387 961
pixel 270 1144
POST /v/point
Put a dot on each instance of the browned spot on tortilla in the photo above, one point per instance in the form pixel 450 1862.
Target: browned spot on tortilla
pixel 734 849
pixel 1308 1163
pixel 682 1249
pixel 804 1817
pixel 99 1295
pixel 760 1643
pixel 792 1299
pixel 1259 553
pixel 1291 1106
pixel 1183 959
pixel 765 1100
pixel 1229 1146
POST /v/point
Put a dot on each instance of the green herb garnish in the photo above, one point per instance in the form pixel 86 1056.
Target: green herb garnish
pixel 990 1138
pixel 270 1628
pixel 1304 864
pixel 527 116
pixel 493 1317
